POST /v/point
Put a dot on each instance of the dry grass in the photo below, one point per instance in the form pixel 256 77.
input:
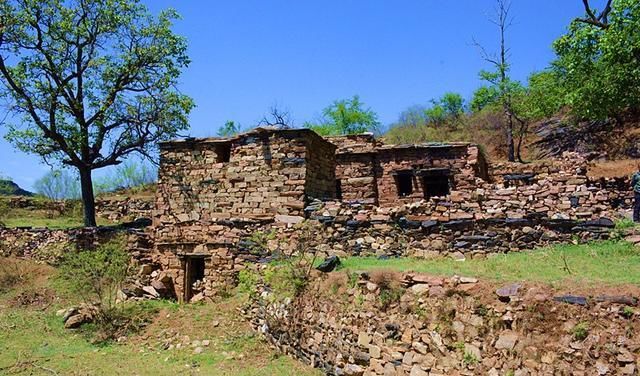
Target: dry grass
pixel 613 169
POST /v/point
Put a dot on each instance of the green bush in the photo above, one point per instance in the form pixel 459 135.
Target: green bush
pixel 96 275
pixel 580 331
pixel 286 280
pixel 248 282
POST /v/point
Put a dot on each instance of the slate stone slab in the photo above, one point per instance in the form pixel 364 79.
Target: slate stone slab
pixel 571 299
pixel 329 264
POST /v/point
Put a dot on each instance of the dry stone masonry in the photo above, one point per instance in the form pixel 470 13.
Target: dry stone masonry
pixel 358 196
pixel 433 326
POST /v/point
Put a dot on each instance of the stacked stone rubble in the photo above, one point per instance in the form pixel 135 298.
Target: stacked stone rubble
pixel 422 325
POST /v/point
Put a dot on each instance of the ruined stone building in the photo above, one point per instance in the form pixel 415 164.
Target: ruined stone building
pixel 386 175
pixel 211 190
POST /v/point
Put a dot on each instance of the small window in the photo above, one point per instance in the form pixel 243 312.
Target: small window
pixel 404 181
pixel 223 153
pixel 436 185
pixel 339 189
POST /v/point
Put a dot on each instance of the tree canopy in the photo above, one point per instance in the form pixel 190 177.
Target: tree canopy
pixel 598 62
pixel 90 82
pixel 346 116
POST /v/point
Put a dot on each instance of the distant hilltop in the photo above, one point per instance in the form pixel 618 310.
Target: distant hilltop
pixel 9 188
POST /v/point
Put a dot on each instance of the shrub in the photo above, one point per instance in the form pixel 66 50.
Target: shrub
pixel 627 312
pixel 12 273
pixel 96 275
pixel 390 289
pixel 580 331
pixel 469 359
pixel 286 280
pixel 248 282
pixel 289 276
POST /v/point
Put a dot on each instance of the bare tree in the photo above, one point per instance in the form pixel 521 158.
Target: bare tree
pixel 277 117
pixel 601 20
pixel 500 78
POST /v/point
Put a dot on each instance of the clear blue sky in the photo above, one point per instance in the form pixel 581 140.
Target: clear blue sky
pixel 302 55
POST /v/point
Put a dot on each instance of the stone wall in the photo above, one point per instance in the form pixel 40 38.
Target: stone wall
pixel 456 162
pixel 50 245
pixel 419 325
pixel 265 172
pixel 369 171
pixel 558 206
pixel 124 209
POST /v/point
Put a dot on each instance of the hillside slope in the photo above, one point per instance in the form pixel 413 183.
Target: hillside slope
pixel 9 188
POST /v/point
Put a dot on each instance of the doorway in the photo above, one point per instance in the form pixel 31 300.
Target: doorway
pixel 194 271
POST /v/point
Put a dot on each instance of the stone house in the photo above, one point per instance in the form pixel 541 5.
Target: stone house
pixel 208 188
pixel 387 175
pixel 214 192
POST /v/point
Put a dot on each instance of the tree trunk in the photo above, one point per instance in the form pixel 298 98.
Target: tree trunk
pixel 511 157
pixel 511 149
pixel 88 203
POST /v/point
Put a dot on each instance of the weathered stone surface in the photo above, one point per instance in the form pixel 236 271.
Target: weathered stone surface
pixel 506 341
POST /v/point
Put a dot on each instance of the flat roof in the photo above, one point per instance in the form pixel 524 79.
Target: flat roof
pixel 253 132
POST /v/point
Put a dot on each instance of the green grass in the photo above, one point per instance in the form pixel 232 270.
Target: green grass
pixel 42 218
pixel 609 263
pixel 33 340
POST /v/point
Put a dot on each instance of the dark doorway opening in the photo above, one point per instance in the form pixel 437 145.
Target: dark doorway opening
pixel 404 182
pixel 339 189
pixel 194 271
pixel 436 185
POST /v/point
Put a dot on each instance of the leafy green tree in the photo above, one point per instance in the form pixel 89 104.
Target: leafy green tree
pixel 483 97
pixel 599 61
pixel 413 116
pixel 90 82
pixel 229 129
pixel 436 114
pixel 347 116
pixel 545 96
pixel 453 104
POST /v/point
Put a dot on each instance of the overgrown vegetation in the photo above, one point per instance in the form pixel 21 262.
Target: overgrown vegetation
pixel 390 290
pixel 590 264
pixel 595 76
pixel 35 342
pixel 65 184
pixel 12 273
pixel 96 276
pixel 580 331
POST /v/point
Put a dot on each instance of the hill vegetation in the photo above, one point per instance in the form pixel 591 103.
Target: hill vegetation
pixel 9 188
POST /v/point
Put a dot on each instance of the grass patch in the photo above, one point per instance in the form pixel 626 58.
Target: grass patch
pixel 42 212
pixel 33 340
pixel 38 218
pixel 607 262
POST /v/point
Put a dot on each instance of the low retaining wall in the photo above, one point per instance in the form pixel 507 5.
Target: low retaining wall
pixel 428 326
pixel 49 245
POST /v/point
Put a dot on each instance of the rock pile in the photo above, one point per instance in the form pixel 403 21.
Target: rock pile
pixel 124 209
pixel 75 317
